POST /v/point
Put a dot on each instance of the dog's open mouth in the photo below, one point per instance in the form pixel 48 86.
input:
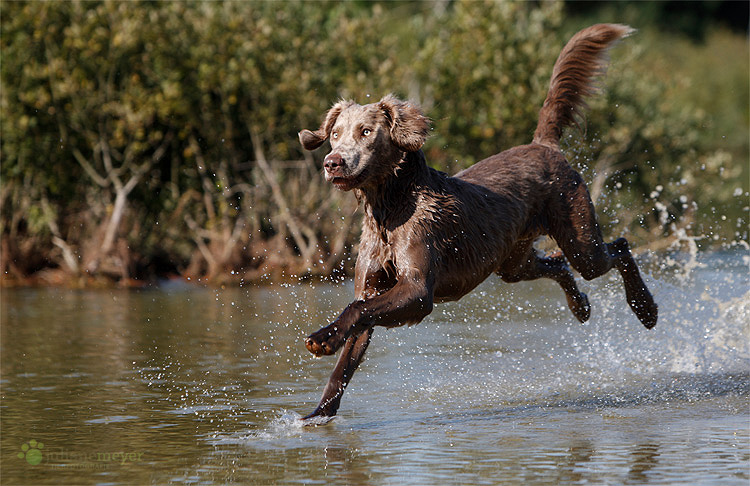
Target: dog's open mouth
pixel 343 183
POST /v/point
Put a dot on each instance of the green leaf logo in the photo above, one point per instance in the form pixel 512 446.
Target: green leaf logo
pixel 31 452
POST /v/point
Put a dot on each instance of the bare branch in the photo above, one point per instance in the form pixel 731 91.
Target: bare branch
pixel 69 256
pixel 101 181
pixel 199 241
pixel 207 184
pixel 286 215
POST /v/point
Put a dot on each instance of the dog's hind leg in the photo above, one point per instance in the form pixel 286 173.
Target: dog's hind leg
pixel 638 295
pixel 524 264
pixel 351 355
pixel 574 227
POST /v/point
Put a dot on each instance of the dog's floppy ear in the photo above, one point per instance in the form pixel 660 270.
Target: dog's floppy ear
pixel 312 140
pixel 408 125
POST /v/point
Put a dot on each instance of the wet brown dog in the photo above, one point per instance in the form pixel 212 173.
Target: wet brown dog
pixel 428 237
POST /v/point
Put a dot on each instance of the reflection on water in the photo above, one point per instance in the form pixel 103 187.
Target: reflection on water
pixel 185 385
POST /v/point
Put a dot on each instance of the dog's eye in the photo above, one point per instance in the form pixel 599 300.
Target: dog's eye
pixel 335 135
pixel 366 132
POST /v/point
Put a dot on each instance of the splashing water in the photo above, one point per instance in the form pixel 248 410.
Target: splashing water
pixel 502 386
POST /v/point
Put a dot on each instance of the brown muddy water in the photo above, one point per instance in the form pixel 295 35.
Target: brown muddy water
pixel 182 385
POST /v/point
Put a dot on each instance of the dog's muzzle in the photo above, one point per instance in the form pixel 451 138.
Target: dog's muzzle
pixel 334 166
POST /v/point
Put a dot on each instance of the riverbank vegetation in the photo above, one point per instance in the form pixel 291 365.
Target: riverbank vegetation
pixel 143 141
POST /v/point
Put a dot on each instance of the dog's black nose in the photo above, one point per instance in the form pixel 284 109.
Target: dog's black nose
pixel 333 161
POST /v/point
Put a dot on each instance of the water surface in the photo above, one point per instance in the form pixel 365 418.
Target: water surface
pixel 183 385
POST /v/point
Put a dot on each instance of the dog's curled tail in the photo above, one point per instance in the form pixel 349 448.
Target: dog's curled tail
pixel 582 59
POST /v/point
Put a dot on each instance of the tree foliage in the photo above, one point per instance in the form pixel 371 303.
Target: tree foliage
pixel 144 139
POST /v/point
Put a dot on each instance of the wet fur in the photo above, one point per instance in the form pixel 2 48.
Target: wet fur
pixel 428 237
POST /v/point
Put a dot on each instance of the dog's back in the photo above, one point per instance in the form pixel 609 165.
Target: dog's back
pixel 536 175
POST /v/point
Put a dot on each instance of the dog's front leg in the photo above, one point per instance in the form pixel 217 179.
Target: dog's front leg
pixel 349 359
pixel 327 340
pixel 408 302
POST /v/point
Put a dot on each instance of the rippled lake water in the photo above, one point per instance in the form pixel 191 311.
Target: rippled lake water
pixel 187 385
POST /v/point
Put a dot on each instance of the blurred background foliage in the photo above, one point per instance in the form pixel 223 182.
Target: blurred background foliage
pixel 145 140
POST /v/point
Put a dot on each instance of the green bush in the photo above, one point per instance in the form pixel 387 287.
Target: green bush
pixel 143 139
pixel 484 74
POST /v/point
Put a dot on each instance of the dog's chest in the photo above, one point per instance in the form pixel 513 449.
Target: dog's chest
pixel 384 250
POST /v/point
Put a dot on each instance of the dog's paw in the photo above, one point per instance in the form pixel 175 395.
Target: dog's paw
pixel 317 418
pixel 324 342
pixel 579 306
pixel 645 308
pixel 641 301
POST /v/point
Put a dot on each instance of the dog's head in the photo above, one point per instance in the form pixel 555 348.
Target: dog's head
pixel 367 141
